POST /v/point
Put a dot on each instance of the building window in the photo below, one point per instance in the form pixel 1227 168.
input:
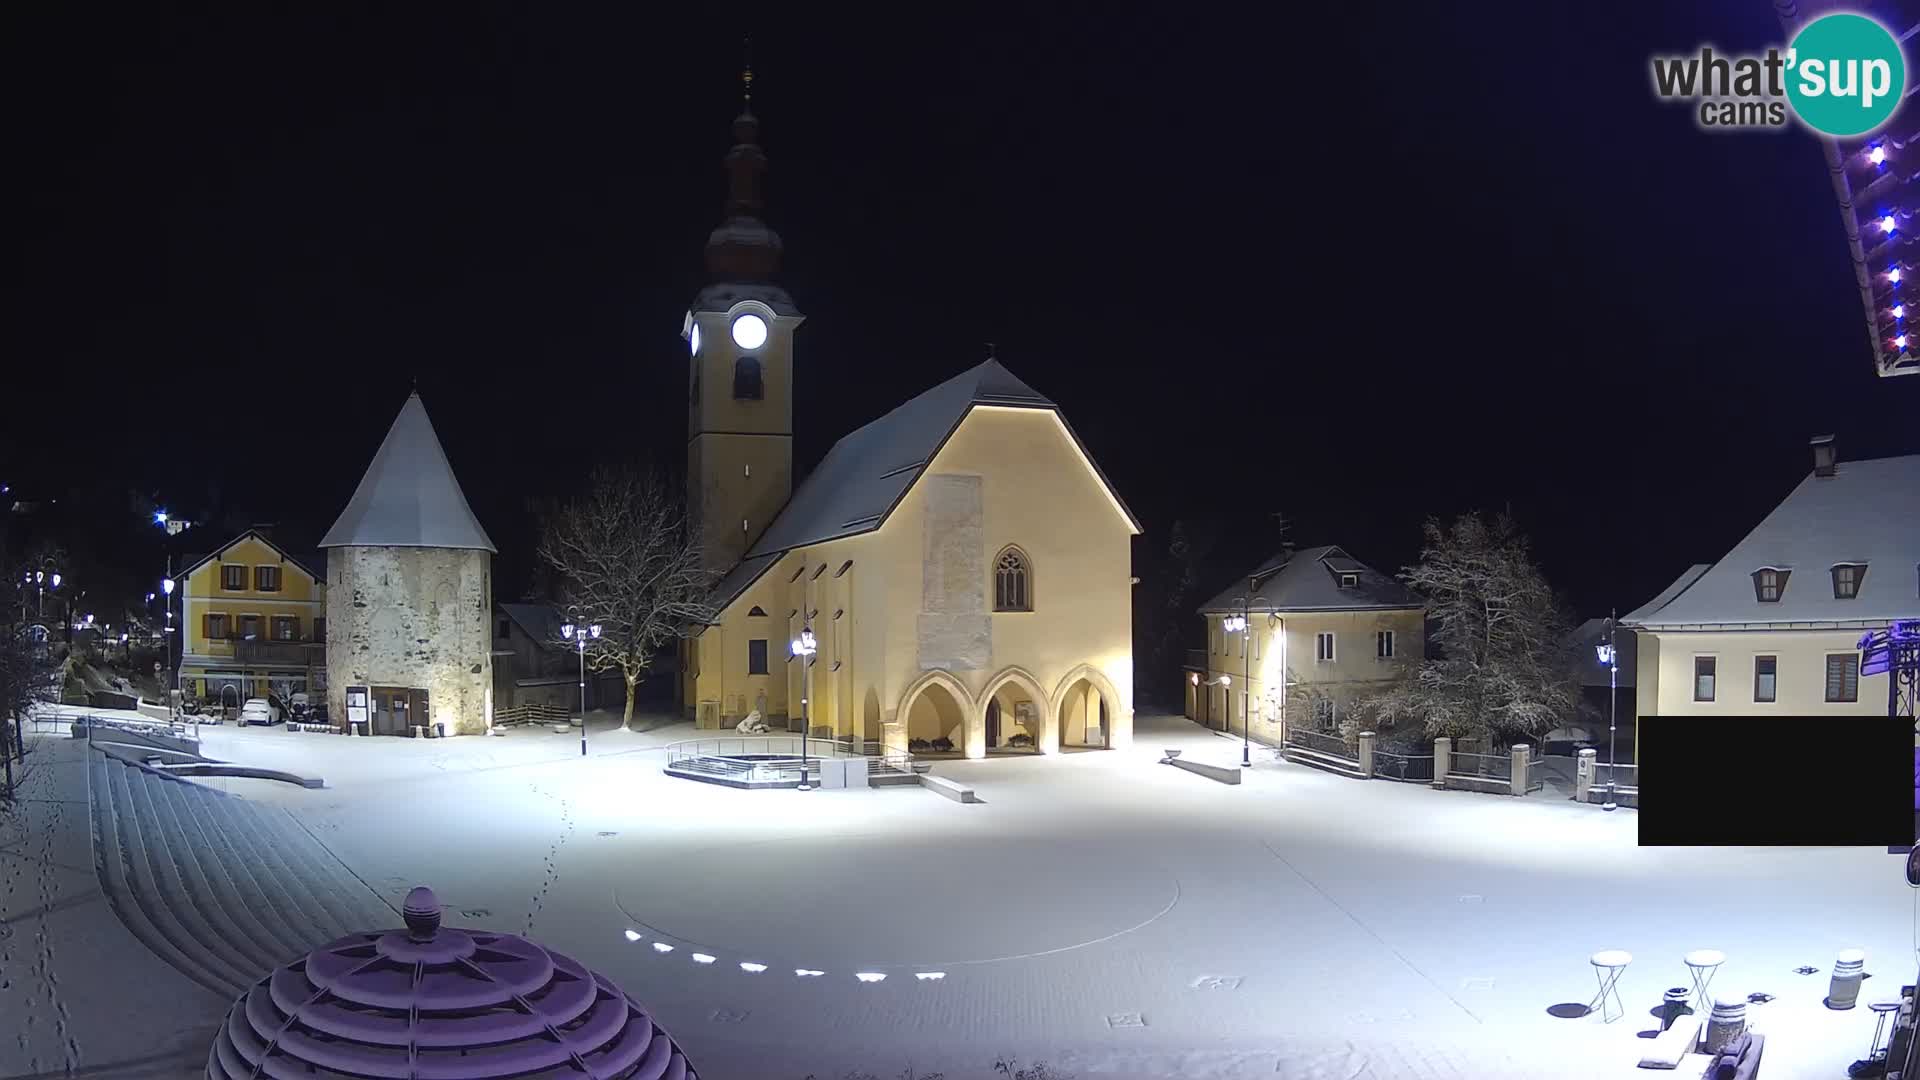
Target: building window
pixel 757 612
pixel 233 578
pixel 505 629
pixel 249 627
pixel 1703 677
pixel 1349 581
pixel 1765 678
pixel 286 628
pixel 1383 644
pixel 746 379
pixel 1843 677
pixel 266 579
pixel 1846 580
pixel 319 628
pixel 1323 647
pixel 215 625
pixel 757 656
pixel 1012 581
pixel 1769 583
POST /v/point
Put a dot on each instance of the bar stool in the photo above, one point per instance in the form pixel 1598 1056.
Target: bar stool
pixel 1703 963
pixel 1607 966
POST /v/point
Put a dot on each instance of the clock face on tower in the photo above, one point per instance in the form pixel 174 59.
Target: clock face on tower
pixel 693 339
pixel 749 331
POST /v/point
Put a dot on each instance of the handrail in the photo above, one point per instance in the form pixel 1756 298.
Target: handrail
pixel 790 745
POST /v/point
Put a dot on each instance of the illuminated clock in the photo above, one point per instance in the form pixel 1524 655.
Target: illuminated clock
pixel 693 339
pixel 749 331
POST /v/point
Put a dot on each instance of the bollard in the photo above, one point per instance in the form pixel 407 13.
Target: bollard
pixel 1844 990
pixel 1520 755
pixel 1442 760
pixel 1674 1006
pixel 1586 765
pixel 1366 754
pixel 1727 1023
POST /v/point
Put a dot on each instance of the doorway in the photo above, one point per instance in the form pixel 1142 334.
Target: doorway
pixel 390 711
pixel 993 724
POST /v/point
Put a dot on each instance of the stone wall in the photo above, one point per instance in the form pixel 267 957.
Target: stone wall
pixel 412 617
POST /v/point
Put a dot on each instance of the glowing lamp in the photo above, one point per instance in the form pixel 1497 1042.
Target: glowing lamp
pixel 1226 680
pixel 633 935
pixel 1899 311
pixel 159 517
pixel 1887 223
pixel 1604 652
pixel 1893 275
pixel 1878 155
pixel 693 339
pixel 804 645
pixel 166 586
pixel 55 580
pixel 1194 678
pixel 1900 342
pixel 662 947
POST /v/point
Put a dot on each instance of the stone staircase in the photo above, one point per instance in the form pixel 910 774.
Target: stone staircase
pixel 222 889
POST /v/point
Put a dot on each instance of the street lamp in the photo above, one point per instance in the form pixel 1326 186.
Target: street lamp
pixel 579 635
pixel 173 678
pixel 1238 624
pixel 804 648
pixel 1608 657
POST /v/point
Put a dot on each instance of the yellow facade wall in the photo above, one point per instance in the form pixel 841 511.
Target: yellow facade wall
pixel 300 597
pixel 1288 645
pixel 1665 673
pixel 1038 492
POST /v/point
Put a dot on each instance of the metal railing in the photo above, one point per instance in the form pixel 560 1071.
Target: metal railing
pixel 1481 766
pixel 769 745
pixel 1322 742
pixel 1625 775
pixel 1536 774
pixel 1416 768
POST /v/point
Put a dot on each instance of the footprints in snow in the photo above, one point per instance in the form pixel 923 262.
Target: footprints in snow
pixel 552 859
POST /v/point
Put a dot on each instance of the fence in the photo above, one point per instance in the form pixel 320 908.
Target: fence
pixel 756 745
pixel 1416 768
pixel 1321 742
pixel 532 712
pixel 1481 766
pixel 1626 780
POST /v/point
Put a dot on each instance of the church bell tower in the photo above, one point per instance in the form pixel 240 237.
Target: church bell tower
pixel 739 334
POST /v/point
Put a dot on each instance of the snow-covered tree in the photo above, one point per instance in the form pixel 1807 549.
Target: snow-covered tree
pixel 622 556
pixel 1500 662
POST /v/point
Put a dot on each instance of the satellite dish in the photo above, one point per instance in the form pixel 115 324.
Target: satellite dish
pixel 1913 868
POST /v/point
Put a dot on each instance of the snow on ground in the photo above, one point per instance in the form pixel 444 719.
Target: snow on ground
pixel 1100 912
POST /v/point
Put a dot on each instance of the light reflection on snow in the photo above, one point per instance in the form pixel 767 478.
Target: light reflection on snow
pixel 925 975
pixel 702 958
pixel 752 967
pixel 661 946
pixel 633 935
pixel 869 976
pixel 807 973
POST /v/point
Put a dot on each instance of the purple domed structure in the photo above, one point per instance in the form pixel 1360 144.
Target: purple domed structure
pixel 433 1003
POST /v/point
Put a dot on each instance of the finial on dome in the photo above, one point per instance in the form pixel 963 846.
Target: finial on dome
pixel 422 913
pixel 746 74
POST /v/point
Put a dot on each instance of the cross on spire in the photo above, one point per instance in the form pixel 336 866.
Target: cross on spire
pixel 746 74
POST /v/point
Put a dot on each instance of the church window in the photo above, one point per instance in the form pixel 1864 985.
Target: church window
pixel 797 571
pixel 1012 581
pixel 817 573
pixel 746 378
pixel 844 567
pixel 757 656
pixel 757 610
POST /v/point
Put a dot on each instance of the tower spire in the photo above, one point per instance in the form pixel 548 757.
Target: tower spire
pixel 746 75
pixel 743 248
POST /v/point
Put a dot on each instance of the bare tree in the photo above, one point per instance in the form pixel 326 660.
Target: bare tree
pixel 26 674
pixel 623 556
pixel 1500 661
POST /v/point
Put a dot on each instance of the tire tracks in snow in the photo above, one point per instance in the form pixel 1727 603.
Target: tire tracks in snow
pixel 1369 931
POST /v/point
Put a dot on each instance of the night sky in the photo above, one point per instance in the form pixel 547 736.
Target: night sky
pixel 1443 259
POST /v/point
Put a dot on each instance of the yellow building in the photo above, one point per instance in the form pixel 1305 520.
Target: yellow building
pixel 253 620
pixel 1322 629
pixel 961 564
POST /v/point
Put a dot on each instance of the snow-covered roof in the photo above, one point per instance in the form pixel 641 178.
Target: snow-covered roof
pixel 869 471
pixel 1867 512
pixel 1309 580
pixel 1679 585
pixel 541 622
pixel 409 497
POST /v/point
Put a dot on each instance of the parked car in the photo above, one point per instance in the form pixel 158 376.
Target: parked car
pixel 259 711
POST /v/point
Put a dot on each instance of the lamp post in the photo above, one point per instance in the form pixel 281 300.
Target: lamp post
pixel 804 648
pixel 1239 624
pixel 1611 660
pixel 579 636
pixel 173 677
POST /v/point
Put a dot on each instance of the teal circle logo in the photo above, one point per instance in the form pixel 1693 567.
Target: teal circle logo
pixel 1846 74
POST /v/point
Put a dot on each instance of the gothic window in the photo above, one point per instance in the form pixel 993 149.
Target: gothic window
pixel 746 378
pixel 757 656
pixel 1012 581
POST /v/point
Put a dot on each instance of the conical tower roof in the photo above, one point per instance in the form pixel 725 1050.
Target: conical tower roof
pixel 409 497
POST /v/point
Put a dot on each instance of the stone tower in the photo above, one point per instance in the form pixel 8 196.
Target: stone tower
pixel 410 588
pixel 739 333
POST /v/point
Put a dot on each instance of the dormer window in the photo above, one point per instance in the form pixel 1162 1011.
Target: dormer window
pixel 1769 584
pixel 1847 578
pixel 1349 581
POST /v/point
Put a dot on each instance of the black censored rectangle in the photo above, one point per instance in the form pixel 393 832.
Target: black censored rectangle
pixel 1754 781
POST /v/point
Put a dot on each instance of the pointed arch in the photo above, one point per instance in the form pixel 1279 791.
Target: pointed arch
pixel 971 734
pixel 1110 694
pixel 1047 739
pixel 1012 579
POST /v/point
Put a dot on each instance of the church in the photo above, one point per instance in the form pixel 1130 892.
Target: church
pixel 953 577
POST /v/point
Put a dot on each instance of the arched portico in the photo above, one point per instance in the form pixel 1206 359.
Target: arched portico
pixel 1006 693
pixel 934 705
pixel 1086 708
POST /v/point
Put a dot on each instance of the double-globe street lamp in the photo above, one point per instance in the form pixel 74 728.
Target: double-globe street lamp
pixel 804 647
pixel 1239 624
pixel 580 635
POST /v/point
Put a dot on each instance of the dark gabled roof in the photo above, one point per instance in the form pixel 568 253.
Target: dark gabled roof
pixel 409 496
pixel 1680 584
pixel 1309 580
pixel 868 472
pixel 541 622
pixel 1867 512
pixel 306 563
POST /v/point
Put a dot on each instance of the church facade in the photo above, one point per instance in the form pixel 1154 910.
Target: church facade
pixel 961 565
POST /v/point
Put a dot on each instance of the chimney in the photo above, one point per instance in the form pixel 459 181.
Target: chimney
pixel 1825 454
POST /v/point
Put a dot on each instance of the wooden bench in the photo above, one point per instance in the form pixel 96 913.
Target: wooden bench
pixel 959 793
pixel 1226 774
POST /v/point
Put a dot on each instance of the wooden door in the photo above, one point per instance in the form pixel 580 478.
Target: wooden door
pixel 417 709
